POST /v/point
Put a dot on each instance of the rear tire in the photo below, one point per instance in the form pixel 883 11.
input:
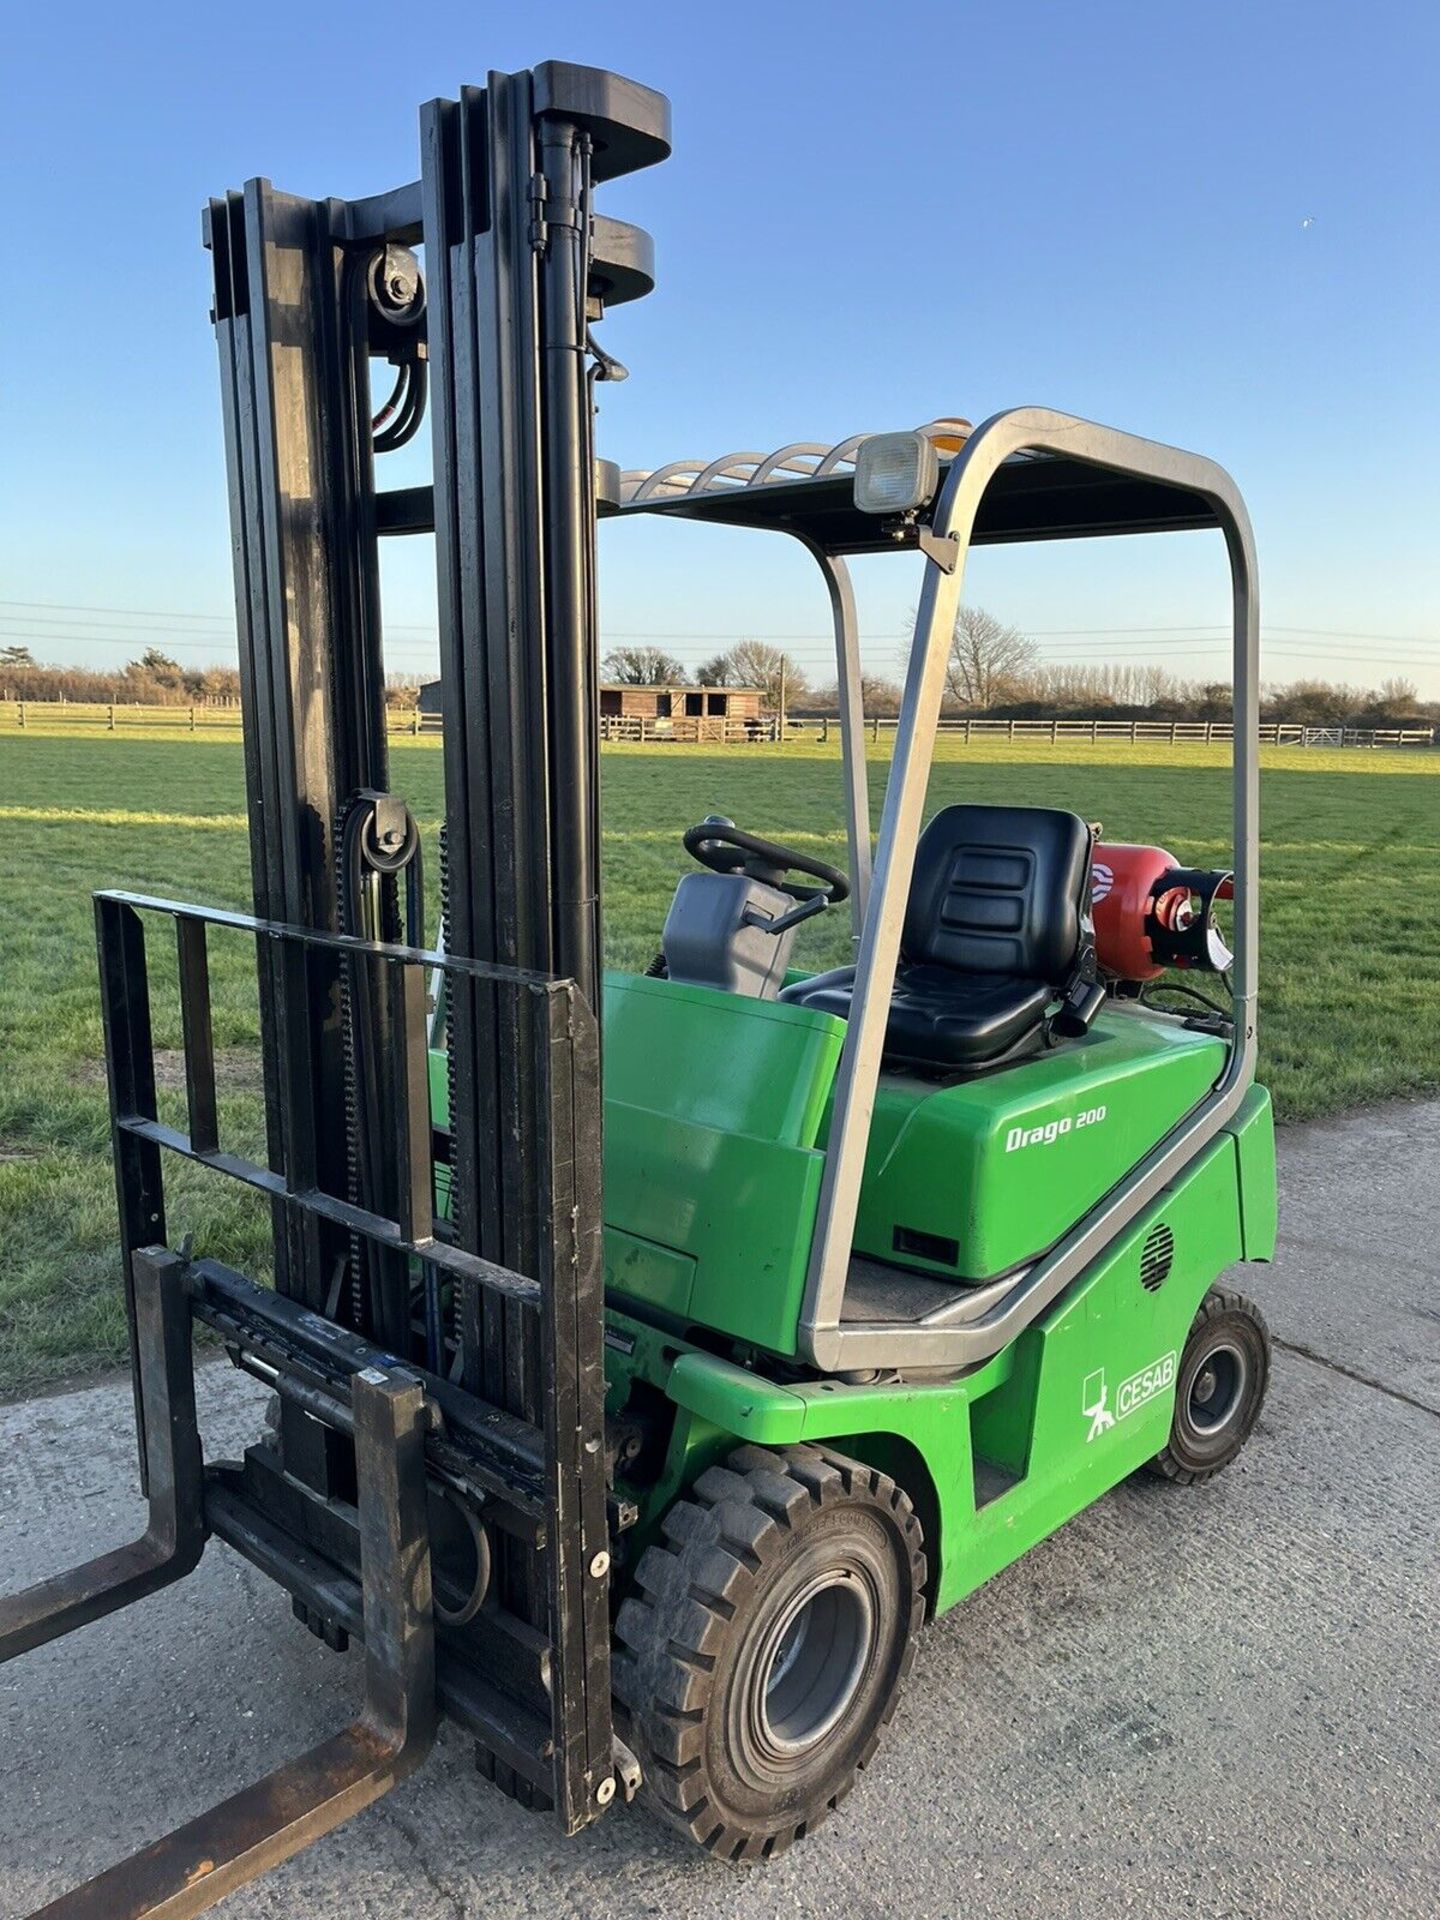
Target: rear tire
pixel 764 1649
pixel 1219 1389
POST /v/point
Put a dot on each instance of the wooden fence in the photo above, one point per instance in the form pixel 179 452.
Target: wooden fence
pixel 121 717
pixel 63 715
pixel 1137 732
pixel 682 729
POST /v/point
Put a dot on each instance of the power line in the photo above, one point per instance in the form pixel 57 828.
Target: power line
pixel 421 656
pixel 158 637
pixel 139 613
pixel 1036 633
pixel 47 622
pixel 1341 633
pixel 40 611
pixel 741 631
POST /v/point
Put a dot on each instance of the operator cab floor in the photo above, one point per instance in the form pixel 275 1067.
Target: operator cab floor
pixel 877 1293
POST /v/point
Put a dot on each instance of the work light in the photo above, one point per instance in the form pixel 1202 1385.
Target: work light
pixel 895 473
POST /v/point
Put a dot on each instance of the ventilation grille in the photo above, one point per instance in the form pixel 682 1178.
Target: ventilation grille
pixel 1156 1257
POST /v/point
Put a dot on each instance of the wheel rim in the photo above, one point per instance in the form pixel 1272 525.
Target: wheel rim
pixel 1217 1389
pixel 812 1664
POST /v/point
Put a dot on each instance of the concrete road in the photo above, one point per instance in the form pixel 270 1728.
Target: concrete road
pixel 1221 1702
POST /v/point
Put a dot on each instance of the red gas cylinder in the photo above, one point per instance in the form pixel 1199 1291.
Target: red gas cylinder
pixel 1123 881
pixel 1151 913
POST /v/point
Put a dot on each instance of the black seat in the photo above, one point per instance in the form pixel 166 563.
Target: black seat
pixel 995 928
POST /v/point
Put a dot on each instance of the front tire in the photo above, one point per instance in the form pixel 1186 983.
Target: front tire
pixel 1219 1389
pixel 766 1644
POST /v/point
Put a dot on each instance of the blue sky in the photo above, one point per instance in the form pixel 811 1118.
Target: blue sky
pixel 1216 226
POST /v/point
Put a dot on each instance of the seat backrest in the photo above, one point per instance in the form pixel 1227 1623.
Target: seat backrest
pixel 1000 890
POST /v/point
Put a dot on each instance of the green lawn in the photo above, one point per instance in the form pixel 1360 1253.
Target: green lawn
pixel 1350 932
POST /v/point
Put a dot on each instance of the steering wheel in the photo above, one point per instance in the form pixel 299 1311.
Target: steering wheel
pixel 725 848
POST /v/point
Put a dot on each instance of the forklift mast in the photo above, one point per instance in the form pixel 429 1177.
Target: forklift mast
pixel 439 1384
pixel 494 332
pixel 306 294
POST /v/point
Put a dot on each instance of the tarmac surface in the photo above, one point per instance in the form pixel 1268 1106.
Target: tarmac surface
pixel 1222 1701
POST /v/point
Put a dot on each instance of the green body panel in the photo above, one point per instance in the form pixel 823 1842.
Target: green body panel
pixel 641 1270
pixel 715 1115
pixel 1254 1127
pixel 739 1211
pixel 977 1177
pixel 1005 1455
pixel 719 1060
pixel 712 1060
pixel 713 1108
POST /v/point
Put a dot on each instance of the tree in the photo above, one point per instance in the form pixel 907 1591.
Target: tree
pixel 986 658
pixel 879 696
pixel 1214 701
pixel 220 683
pixel 1313 703
pixel 644 667
pixel 16 657
pixel 1398 695
pixel 159 667
pixel 755 663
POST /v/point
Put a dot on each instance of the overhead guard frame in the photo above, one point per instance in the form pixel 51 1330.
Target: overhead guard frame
pixel 1026 474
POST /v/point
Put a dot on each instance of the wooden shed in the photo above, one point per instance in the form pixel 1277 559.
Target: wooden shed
pixel 682 713
pixel 668 713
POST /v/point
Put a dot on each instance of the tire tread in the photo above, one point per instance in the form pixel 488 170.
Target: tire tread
pixel 1219 1302
pixel 687 1593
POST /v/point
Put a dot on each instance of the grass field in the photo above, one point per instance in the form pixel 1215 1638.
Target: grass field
pixel 1350 935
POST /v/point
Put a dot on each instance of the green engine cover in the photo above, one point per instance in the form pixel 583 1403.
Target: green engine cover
pixel 977 1177
pixel 717 1110
pixel 713 1107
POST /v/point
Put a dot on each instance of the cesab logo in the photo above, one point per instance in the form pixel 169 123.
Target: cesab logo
pixel 1145 1384
pixel 1134 1393
pixel 1102 882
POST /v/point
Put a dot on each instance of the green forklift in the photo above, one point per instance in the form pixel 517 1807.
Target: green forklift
pixel 648 1357
pixel 936 1236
